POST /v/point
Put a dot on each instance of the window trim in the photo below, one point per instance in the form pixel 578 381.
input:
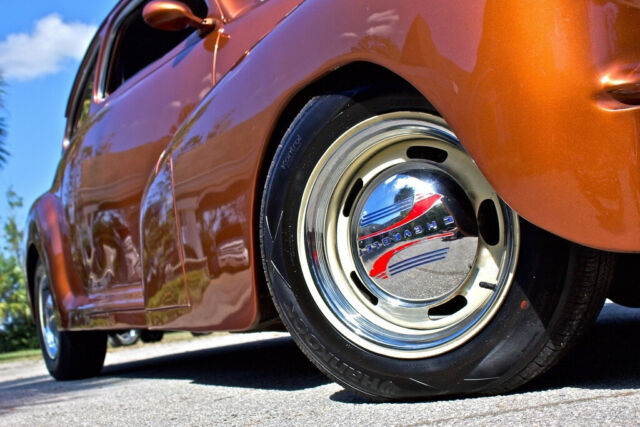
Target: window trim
pixel 109 46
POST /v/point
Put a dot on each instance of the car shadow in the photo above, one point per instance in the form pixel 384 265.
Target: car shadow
pixel 607 358
pixel 271 364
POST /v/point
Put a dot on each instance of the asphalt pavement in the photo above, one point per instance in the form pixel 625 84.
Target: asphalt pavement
pixel 262 379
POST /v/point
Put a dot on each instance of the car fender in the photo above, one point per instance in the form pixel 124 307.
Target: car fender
pixel 48 233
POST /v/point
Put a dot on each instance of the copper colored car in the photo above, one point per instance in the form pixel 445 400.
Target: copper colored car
pixel 433 197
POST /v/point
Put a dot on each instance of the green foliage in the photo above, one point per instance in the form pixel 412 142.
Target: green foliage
pixel 4 154
pixel 20 334
pixel 17 330
pixel 16 327
pixel 12 233
pixel 32 353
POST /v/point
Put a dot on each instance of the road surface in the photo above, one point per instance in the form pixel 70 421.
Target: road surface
pixel 262 379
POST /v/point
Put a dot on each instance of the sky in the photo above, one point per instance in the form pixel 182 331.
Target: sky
pixel 41 46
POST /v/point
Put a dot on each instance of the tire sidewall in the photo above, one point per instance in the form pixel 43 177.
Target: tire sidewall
pixel 51 363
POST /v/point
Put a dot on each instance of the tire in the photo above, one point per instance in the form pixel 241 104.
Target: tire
pixel 505 299
pixel 68 355
pixel 124 338
pixel 151 336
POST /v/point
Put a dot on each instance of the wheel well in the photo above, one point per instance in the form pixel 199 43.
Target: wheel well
pixel 31 262
pixel 343 79
pixel 625 286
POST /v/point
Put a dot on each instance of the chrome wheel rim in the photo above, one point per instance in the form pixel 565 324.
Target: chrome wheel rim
pixel 47 316
pixel 405 247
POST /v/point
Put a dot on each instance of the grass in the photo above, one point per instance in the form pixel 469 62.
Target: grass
pixel 11 356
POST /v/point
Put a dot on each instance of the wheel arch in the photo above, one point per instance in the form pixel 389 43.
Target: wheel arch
pixel 357 75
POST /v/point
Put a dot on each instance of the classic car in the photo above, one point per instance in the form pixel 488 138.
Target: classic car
pixel 433 197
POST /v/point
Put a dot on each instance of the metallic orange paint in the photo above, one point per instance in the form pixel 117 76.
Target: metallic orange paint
pixel 151 220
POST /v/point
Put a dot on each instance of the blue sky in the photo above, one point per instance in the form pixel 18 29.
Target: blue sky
pixel 40 49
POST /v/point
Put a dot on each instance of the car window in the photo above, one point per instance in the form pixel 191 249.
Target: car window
pixel 137 45
pixel 85 96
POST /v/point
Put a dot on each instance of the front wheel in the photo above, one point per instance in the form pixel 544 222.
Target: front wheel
pixel 397 268
pixel 68 355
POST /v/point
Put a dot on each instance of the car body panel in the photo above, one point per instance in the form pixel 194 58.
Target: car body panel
pixel 526 87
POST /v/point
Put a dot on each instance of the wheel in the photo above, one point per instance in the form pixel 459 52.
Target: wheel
pixel 396 267
pixel 68 355
pixel 125 338
pixel 151 336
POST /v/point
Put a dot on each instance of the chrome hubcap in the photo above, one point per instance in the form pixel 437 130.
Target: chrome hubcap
pixel 404 245
pixel 47 316
pixel 415 233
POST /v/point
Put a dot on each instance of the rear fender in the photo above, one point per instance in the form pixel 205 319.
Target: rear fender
pixel 47 231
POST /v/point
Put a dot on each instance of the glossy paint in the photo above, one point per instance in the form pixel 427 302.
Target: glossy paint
pixel 543 96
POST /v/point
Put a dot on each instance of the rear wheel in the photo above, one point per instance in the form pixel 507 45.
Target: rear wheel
pixel 68 355
pixel 396 267
pixel 124 338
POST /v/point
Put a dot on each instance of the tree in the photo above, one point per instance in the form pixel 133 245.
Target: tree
pixel 16 328
pixel 4 154
pixel 12 233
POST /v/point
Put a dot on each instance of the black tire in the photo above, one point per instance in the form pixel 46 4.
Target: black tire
pixel 79 354
pixel 556 293
pixel 147 336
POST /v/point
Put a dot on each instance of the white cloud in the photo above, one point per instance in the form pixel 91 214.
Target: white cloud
pixel 46 49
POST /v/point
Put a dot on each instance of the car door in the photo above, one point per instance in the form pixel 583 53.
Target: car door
pixel 148 82
pixel 213 192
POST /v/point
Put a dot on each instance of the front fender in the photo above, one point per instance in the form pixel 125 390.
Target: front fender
pixel 524 85
pixel 519 84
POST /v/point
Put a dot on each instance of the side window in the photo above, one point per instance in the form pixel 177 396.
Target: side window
pixel 137 45
pixel 83 100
